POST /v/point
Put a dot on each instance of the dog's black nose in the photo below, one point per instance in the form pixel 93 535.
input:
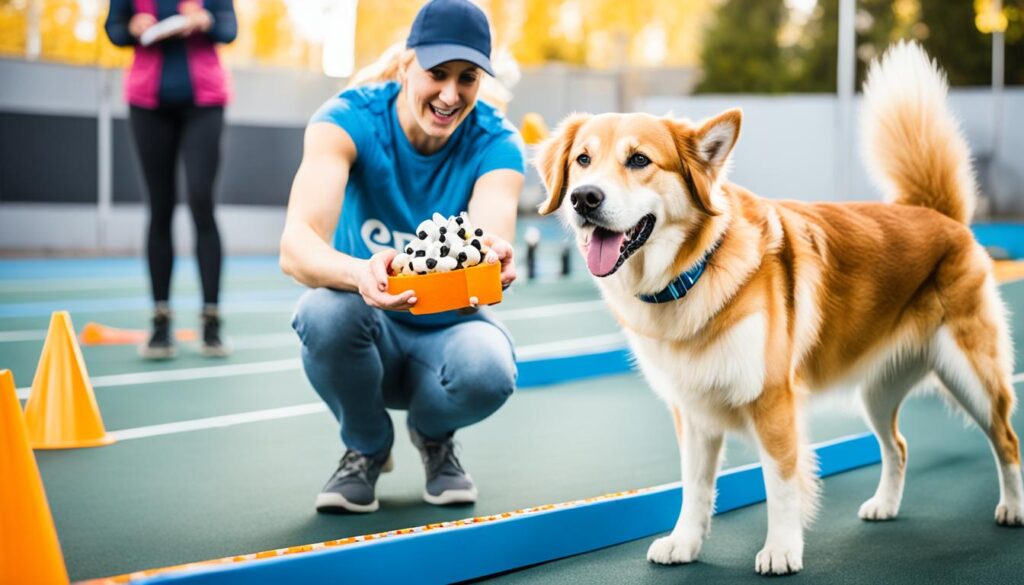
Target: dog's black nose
pixel 586 199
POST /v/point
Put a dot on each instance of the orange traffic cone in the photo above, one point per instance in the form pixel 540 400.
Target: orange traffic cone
pixel 98 334
pixel 533 129
pixel 29 551
pixel 61 412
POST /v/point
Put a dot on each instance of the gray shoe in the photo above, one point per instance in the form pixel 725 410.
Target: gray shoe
pixel 161 342
pixel 212 344
pixel 351 488
pixel 447 481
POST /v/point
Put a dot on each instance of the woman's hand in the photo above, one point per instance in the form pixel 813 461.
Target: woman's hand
pixel 139 23
pixel 501 251
pixel 199 20
pixel 373 284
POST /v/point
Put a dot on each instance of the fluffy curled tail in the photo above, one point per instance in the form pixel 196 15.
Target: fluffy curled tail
pixel 913 146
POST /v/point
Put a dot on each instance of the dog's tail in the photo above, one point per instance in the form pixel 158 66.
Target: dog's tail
pixel 913 146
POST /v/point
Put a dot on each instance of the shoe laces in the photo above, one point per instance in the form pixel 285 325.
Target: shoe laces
pixel 211 329
pixel 161 328
pixel 353 463
pixel 439 455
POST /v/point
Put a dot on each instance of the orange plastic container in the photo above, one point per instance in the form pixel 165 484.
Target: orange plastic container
pixel 447 291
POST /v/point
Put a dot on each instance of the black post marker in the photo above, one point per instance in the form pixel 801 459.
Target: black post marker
pixel 566 254
pixel 532 237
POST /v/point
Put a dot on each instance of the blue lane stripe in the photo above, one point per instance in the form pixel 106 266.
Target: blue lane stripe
pixel 1008 236
pixel 447 555
pixel 544 371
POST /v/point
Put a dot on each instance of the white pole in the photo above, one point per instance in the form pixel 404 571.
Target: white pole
pixel 104 161
pixel 846 73
pixel 998 71
pixel 339 50
pixel 33 40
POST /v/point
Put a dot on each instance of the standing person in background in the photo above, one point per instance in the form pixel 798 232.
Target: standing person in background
pixel 176 90
pixel 377 160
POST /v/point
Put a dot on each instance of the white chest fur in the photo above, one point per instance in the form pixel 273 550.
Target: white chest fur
pixel 728 372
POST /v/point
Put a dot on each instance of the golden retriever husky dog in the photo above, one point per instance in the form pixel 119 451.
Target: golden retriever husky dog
pixel 738 308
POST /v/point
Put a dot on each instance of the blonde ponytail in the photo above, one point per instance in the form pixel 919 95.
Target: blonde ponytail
pixel 387 67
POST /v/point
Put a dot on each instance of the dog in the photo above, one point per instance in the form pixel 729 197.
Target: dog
pixel 738 308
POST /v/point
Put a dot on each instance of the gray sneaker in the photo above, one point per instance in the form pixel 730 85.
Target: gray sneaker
pixel 447 481
pixel 351 488
pixel 161 342
pixel 212 344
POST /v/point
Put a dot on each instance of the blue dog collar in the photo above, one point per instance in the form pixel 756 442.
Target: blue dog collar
pixel 678 288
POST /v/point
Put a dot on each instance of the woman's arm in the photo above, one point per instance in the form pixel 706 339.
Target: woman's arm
pixel 216 19
pixel 493 207
pixel 314 207
pixel 224 27
pixel 117 23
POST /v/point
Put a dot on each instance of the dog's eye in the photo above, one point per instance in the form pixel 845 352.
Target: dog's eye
pixel 583 160
pixel 638 161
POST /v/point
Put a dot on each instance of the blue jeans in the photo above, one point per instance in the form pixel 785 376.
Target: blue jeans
pixel 361 362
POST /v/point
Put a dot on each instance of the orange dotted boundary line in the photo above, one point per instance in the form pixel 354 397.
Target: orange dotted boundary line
pixel 366 538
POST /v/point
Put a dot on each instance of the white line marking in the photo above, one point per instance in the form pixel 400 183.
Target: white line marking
pixel 24 335
pixel 531 352
pixel 263 340
pixel 317 407
pixel 523 314
pixel 187 374
pixel 549 310
pixel 1017 379
pixel 196 373
pixel 567 347
pixel 216 422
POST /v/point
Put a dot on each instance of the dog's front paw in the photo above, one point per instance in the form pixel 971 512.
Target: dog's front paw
pixel 877 509
pixel 673 550
pixel 774 560
pixel 1009 515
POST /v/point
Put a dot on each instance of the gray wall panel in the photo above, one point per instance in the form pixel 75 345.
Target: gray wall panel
pixel 127 177
pixel 258 164
pixel 48 158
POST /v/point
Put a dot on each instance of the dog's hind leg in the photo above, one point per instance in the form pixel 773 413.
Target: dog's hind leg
pixel 700 450
pixel 972 356
pixel 882 395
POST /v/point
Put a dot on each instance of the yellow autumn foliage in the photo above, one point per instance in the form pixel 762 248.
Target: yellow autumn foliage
pixel 590 33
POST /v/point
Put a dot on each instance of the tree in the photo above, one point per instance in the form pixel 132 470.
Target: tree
pixel 956 43
pixel 741 51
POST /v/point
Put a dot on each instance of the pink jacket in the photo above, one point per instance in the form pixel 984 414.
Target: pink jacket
pixel 210 80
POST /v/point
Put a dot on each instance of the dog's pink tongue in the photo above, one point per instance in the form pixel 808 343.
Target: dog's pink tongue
pixel 604 251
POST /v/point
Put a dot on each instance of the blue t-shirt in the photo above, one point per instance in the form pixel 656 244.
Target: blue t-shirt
pixel 392 187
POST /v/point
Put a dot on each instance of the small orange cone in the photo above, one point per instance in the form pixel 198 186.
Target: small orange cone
pixel 533 129
pixel 29 550
pixel 61 412
pixel 98 334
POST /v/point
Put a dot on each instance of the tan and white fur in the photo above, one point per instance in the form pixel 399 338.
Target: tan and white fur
pixel 796 297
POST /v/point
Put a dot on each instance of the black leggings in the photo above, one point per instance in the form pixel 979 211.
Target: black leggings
pixel 159 136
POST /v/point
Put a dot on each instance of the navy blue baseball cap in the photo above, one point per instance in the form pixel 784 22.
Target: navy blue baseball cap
pixel 451 30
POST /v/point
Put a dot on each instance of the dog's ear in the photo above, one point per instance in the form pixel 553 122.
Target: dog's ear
pixel 717 137
pixel 704 152
pixel 552 160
